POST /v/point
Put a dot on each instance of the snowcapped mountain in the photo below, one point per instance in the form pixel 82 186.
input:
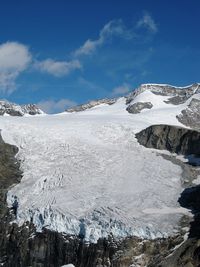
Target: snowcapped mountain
pixel 12 109
pixel 185 100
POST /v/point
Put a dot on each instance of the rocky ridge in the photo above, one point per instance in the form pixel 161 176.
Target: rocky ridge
pixel 12 109
pixel 91 104
pixel 177 94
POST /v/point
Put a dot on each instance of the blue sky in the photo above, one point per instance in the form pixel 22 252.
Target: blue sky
pixel 66 52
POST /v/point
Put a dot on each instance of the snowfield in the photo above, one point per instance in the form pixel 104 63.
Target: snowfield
pixel 85 173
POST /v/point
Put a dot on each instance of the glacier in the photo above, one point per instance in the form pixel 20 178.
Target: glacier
pixel 84 173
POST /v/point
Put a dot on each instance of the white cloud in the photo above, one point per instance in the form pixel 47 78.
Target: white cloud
pixel 58 68
pixel 52 106
pixel 147 22
pixel 112 28
pixel 88 47
pixel 121 90
pixel 14 59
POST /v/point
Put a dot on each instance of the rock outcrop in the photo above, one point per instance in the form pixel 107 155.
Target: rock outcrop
pixel 138 107
pixel 191 115
pixel 188 253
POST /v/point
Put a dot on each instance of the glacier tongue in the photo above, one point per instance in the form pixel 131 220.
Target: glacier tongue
pixel 87 175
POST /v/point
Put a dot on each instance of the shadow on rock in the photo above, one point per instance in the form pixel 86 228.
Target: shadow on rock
pixel 190 199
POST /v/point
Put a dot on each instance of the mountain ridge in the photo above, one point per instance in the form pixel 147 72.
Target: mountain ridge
pixel 178 95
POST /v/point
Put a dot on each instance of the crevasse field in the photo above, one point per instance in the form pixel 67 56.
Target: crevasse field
pixel 85 173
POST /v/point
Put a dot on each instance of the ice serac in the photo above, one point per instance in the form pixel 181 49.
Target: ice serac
pixel 12 109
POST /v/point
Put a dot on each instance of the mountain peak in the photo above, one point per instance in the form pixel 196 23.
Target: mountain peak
pixel 178 94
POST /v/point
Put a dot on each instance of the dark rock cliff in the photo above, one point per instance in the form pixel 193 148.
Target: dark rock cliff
pixel 172 138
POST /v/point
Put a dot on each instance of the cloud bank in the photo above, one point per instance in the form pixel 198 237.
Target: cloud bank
pixel 14 59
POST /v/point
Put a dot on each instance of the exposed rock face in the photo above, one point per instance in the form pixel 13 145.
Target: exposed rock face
pixel 177 100
pixel 188 253
pixel 17 110
pixel 92 104
pixel 31 109
pixel 191 115
pixel 174 139
pixel 138 107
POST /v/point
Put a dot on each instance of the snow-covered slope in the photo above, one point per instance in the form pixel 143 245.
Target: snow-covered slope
pixel 12 109
pixel 84 173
